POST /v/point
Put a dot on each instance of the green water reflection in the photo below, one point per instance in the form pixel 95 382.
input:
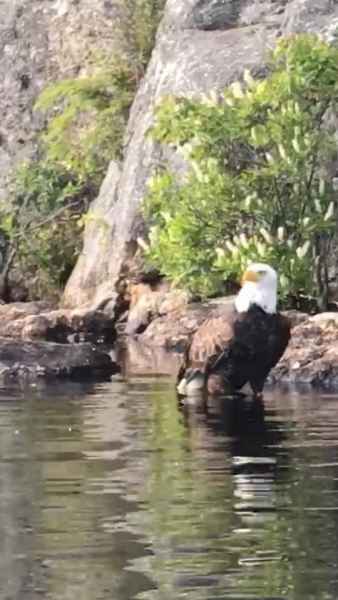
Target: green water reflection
pixel 117 492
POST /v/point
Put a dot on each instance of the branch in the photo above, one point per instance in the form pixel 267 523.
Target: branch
pixel 29 227
pixel 8 263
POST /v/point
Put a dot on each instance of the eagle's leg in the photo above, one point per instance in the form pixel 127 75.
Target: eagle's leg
pixel 257 387
pixel 218 385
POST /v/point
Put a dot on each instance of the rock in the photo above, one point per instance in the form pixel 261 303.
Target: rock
pixel 40 42
pixel 35 320
pixel 38 341
pixel 91 272
pixel 151 304
pixel 312 354
pixel 173 330
pixel 309 15
pixel 325 319
pixel 18 310
pixel 31 360
pixel 202 45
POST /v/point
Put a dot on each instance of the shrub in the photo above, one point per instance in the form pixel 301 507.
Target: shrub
pixel 40 227
pixel 91 115
pixel 139 25
pixel 41 223
pixel 257 184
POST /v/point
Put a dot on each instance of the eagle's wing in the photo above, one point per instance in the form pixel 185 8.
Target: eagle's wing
pixel 279 339
pixel 209 341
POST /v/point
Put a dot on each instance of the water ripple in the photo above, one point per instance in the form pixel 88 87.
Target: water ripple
pixel 115 491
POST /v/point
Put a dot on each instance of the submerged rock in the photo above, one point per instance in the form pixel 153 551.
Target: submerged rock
pixel 31 360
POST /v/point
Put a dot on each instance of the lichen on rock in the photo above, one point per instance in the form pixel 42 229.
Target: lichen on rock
pixel 42 42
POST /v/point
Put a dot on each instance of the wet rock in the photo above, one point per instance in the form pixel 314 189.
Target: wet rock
pixel 137 358
pixel 312 354
pixel 36 320
pixel 31 360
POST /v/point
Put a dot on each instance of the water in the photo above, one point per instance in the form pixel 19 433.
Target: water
pixel 114 492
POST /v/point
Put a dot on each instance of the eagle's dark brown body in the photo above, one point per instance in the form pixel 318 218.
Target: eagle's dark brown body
pixel 234 348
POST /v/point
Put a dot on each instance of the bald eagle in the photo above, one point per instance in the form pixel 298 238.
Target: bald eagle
pixel 242 344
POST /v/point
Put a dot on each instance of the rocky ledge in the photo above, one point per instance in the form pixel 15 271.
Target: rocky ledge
pixel 37 340
pixel 312 354
pixel 30 360
pixel 42 321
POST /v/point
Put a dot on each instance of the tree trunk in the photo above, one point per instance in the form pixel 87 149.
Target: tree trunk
pixel 321 271
pixel 4 275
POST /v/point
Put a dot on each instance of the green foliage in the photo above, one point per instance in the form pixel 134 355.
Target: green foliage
pixel 139 25
pixel 257 184
pixel 41 225
pixel 88 127
pixel 88 115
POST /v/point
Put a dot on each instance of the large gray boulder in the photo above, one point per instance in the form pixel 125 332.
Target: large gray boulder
pixel 202 45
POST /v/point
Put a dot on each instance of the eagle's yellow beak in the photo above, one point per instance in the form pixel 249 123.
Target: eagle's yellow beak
pixel 250 276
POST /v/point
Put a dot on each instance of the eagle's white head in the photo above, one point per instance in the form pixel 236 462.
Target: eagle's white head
pixel 259 286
